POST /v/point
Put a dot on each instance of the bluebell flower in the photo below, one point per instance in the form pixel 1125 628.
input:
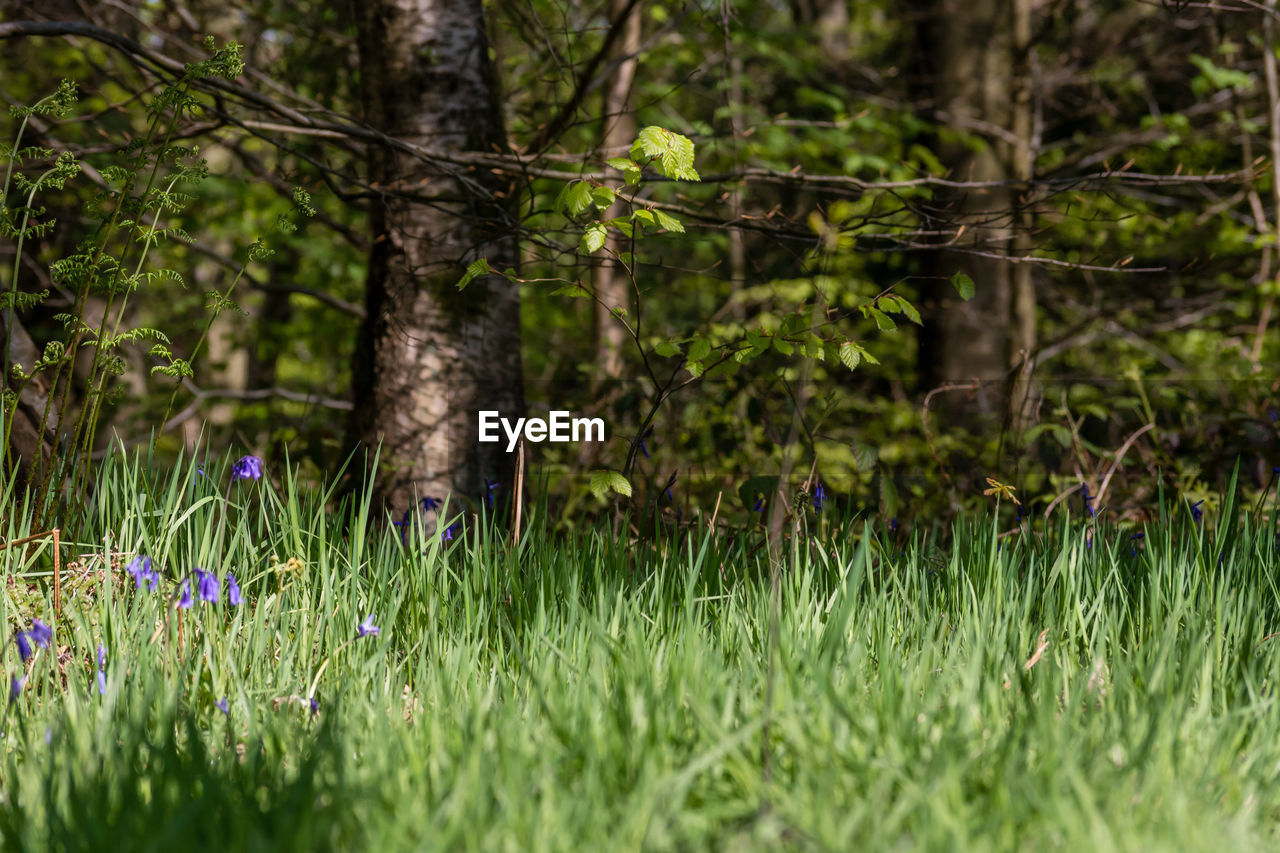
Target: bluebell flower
pixel 200 469
pixel 41 633
pixel 102 672
pixel 893 524
pixel 666 490
pixel 367 628
pixel 208 587
pixel 142 572
pixel 447 534
pixel 315 706
pixel 644 449
pixel 430 504
pixel 1133 548
pixel 222 706
pixel 247 468
pixel 184 602
pixel 819 496
pixel 1088 500
pixel 24 646
pixel 758 506
pixel 1196 512
pixel 15 687
pixel 403 523
pixel 489 486
pixel 234 598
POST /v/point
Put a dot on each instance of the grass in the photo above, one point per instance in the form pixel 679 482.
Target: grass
pixel 587 693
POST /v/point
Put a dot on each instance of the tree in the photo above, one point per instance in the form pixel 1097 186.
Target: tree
pixel 430 356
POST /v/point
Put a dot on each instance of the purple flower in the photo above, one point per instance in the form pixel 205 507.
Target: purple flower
pixel 102 672
pixel 367 628
pixel 819 495
pixel 140 569
pixel 430 504
pixel 1088 500
pixel 758 506
pixel 1196 512
pixel 208 587
pixel 447 535
pixel 643 448
pixel 489 486
pixel 184 603
pixel 234 598
pixel 315 706
pixel 41 633
pixel 222 706
pixel 247 468
pixel 24 646
pixel 15 687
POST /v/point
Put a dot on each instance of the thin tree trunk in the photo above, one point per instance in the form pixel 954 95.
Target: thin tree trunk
pixel 429 356
pixel 1023 332
pixel 611 282
pixel 968 48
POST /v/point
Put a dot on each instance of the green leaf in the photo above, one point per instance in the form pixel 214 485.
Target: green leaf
pixel 666 349
pixel 592 238
pixel 783 346
pixel 603 197
pixel 607 480
pixel 669 222
pixel 579 197
pixel 963 285
pixel 643 215
pixel 850 354
pixel 695 368
pixel 700 349
pixel 883 323
pixel 476 269
pixel 573 291
pixel 622 164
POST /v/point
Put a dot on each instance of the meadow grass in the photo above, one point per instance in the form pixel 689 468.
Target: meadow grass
pixel 587 692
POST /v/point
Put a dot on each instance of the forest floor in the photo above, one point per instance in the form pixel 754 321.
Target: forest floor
pixel 1074 685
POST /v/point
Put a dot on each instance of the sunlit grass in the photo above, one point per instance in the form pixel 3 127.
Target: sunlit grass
pixel 595 694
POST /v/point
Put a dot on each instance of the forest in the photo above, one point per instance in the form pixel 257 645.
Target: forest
pixel 678 424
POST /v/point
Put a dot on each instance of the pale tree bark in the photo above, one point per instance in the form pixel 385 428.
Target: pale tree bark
pixel 612 285
pixel 429 356
pixel 1023 397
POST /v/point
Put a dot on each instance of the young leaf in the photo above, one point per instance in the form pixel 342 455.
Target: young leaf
pixel 668 222
pixel 607 480
pixel 883 323
pixel 592 238
pixel 666 349
pixel 699 349
pixel 963 285
pixel 476 269
pixel 850 354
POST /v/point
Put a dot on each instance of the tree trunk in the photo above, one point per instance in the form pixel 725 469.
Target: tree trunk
pixel 429 356
pixel 967 49
pixel 611 282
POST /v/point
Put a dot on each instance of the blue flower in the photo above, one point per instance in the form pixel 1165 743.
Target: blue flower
pixel 222 706
pixel 24 646
pixel 1133 549
pixel 41 633
pixel 1088 500
pixel 208 587
pixel 1196 512
pixel 315 706
pixel 489 486
pixel 15 687
pixel 367 628
pixel 247 468
pixel 140 568
pixel 643 448
pixel 102 673
pixel 447 535
pixel 430 504
pixel 666 490
pixel 403 523
pixel 234 598
pixel 819 496
pixel 184 603
pixel 758 506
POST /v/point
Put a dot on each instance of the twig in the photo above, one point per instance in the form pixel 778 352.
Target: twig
pixel 1115 463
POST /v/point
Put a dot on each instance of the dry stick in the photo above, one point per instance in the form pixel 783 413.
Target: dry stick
pixel 711 525
pixel 57 562
pixel 515 531
pixel 1115 463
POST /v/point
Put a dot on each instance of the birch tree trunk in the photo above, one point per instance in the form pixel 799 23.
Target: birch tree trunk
pixel 429 356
